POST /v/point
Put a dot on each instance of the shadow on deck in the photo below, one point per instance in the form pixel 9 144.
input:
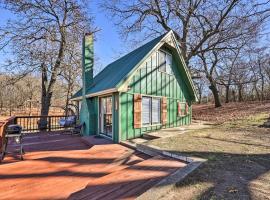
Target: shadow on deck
pixel 59 166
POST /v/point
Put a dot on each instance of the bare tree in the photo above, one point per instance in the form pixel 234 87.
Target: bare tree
pixel 209 63
pixel 258 63
pixel 241 76
pixel 39 37
pixel 72 71
pixel 229 60
pixel 201 26
pixel 200 87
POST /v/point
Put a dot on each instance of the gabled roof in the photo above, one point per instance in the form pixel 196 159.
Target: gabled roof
pixel 113 73
pixel 118 71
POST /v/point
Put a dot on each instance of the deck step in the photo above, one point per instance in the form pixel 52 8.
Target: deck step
pixel 95 140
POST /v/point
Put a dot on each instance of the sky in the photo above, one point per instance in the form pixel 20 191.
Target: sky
pixel 108 44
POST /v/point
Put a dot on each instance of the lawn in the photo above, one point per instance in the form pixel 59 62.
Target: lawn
pixel 238 166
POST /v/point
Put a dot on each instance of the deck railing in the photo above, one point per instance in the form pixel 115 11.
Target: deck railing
pixel 41 123
pixel 3 126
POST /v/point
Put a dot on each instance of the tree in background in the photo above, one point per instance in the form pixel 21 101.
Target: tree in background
pixel 45 36
pixel 203 27
pixel 18 94
pixel 226 69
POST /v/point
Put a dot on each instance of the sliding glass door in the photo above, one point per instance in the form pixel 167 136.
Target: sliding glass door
pixel 105 116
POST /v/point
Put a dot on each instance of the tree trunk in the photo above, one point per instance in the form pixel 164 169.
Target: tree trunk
pixel 262 94
pixel 227 87
pixel 240 97
pixel 200 98
pixel 234 97
pixel 45 99
pixel 1 103
pixel 257 92
pixel 200 94
pixel 67 97
pixel 45 102
pixel 214 91
pixel 10 108
pixel 47 89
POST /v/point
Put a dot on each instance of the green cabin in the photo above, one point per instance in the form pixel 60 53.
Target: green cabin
pixel 146 90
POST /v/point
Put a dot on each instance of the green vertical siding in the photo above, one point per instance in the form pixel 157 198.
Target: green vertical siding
pixel 93 112
pixel 148 80
pixel 93 109
pixel 115 107
pixel 124 116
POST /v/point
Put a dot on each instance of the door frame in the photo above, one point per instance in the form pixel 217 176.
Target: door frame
pixel 99 116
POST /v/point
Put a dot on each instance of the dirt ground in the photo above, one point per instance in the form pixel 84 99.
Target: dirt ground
pixel 230 111
pixel 237 149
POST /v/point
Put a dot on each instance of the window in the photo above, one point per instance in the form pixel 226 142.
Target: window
pixel 182 108
pixel 155 111
pixel 165 62
pixel 146 115
pixel 162 61
pixel 150 111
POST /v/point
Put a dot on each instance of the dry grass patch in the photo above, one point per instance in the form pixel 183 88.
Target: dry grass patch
pixel 238 165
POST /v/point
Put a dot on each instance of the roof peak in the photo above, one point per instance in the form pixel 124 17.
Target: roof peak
pixel 114 72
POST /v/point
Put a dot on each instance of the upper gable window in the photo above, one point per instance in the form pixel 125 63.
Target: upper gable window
pixel 165 62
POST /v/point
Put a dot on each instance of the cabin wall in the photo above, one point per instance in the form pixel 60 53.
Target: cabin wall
pixel 93 111
pixel 148 80
pixel 115 107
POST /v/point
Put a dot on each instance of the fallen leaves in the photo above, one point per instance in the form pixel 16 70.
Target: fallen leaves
pixel 228 112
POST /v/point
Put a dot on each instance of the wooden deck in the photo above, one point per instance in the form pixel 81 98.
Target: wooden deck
pixel 58 166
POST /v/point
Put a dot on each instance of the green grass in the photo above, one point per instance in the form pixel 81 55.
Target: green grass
pixel 238 165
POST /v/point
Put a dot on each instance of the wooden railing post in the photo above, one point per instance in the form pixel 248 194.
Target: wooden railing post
pixel 49 123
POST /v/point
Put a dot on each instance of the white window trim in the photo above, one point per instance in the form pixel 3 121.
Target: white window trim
pixel 150 111
pixel 156 124
pixel 166 52
pixel 99 128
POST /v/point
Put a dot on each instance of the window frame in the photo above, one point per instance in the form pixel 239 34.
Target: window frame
pixel 159 120
pixel 159 65
pixel 151 111
pixel 184 112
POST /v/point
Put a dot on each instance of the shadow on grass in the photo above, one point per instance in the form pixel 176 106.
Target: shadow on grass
pixel 235 142
pixel 231 176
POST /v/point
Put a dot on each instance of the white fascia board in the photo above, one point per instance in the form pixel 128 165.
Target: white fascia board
pixel 103 92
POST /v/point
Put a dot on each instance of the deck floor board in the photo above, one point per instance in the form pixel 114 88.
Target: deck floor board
pixel 63 166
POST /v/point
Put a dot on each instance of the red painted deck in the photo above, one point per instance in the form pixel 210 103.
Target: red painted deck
pixel 62 166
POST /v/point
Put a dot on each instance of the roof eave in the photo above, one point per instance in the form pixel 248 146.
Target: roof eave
pixel 100 93
pixel 122 86
pixel 186 69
